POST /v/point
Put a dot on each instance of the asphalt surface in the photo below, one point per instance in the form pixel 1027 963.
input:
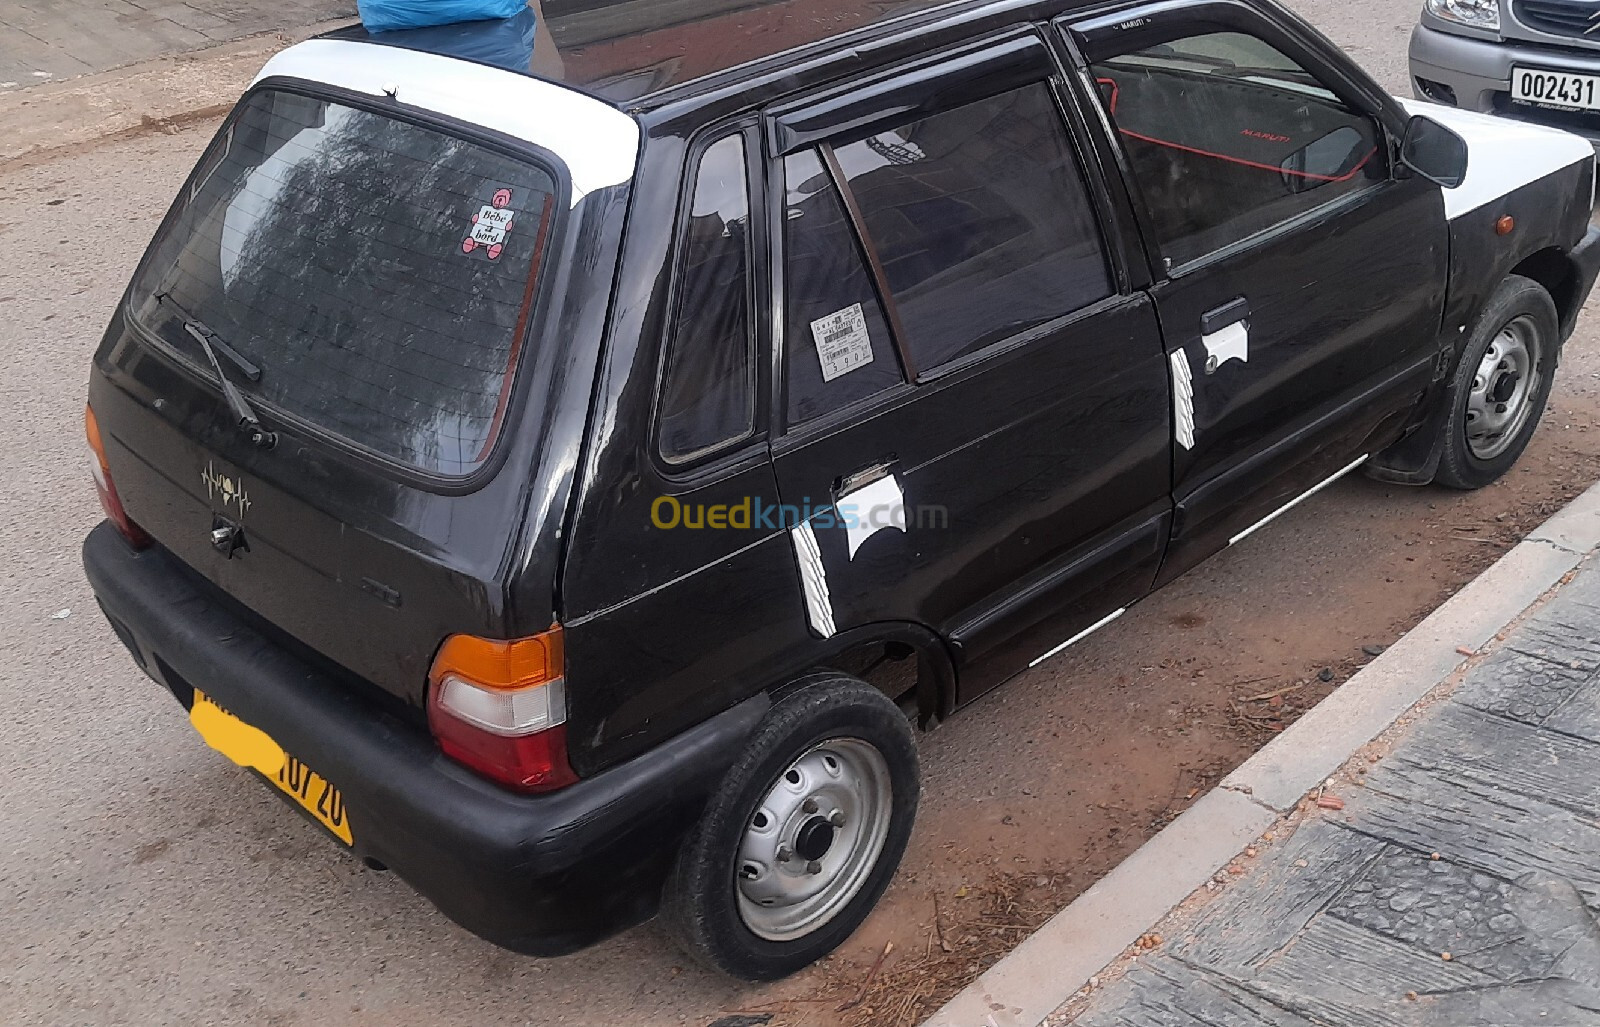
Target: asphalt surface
pixel 143 879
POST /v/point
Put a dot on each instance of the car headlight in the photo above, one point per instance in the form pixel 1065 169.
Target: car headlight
pixel 1479 14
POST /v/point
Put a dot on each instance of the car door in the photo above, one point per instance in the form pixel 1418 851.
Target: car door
pixel 1300 278
pixel 976 425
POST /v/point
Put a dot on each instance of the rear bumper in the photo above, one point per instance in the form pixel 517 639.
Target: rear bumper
pixel 543 875
pixel 1478 73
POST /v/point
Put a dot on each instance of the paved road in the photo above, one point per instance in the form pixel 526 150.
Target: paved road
pixel 41 40
pixel 145 880
pixel 1459 885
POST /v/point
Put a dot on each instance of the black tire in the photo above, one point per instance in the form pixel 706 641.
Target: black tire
pixel 1519 304
pixel 702 903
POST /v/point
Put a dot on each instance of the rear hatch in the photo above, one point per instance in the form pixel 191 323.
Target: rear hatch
pixel 374 284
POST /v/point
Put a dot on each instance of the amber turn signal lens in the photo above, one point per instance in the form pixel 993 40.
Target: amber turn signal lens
pixel 489 663
pixel 1505 226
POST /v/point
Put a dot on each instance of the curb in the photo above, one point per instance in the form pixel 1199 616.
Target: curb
pixel 1057 960
pixel 48 120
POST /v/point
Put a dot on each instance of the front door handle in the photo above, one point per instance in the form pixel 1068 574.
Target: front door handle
pixel 1225 333
pixel 1230 313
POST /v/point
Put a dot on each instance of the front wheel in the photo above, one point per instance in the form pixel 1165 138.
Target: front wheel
pixel 1501 385
pixel 804 835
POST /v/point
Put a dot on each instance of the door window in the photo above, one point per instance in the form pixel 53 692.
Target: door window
pixel 1229 137
pixel 838 345
pixel 981 220
pixel 708 400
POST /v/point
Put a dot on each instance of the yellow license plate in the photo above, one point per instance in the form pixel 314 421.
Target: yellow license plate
pixel 249 746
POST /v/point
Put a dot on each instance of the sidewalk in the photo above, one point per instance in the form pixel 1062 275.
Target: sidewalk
pixel 45 40
pixel 42 114
pixel 1446 874
pixel 1460 885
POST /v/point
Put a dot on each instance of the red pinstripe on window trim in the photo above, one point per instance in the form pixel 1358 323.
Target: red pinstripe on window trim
pixel 1352 173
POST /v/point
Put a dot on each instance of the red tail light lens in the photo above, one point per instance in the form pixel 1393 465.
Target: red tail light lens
pixel 109 500
pixel 500 709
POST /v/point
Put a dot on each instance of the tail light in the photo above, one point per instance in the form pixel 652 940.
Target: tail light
pixel 499 708
pixel 109 500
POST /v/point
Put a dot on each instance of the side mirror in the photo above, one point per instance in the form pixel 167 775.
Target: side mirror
pixel 1434 152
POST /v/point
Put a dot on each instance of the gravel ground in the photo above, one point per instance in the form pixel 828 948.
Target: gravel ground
pixel 146 880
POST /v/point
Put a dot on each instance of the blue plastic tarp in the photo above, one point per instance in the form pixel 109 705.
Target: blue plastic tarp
pixel 389 15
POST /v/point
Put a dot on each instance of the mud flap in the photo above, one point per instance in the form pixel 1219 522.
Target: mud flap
pixel 1415 459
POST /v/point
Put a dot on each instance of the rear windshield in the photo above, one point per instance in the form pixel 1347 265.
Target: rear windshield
pixel 379 274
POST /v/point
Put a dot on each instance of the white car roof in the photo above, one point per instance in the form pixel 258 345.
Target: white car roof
pixel 598 143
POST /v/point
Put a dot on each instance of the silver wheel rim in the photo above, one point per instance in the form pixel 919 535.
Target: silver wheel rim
pixel 1503 389
pixel 810 845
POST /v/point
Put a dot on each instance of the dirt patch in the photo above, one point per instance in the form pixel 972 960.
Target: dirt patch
pixel 1035 793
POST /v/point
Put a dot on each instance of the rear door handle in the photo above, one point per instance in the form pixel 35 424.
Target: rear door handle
pixel 855 481
pixel 1230 313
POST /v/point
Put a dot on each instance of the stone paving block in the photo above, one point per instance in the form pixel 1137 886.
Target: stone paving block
pixel 1563 636
pixel 1250 923
pixel 1579 715
pixel 1166 992
pixel 1518 686
pixel 1501 832
pixel 1334 965
pixel 194 18
pixel 72 37
pixel 1461 744
pixel 1436 906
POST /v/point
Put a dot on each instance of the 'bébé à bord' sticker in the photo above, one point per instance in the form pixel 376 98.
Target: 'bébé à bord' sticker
pixel 490 226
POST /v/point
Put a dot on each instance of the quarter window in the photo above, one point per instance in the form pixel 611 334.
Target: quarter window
pixel 1229 137
pixel 709 397
pixel 981 220
pixel 837 341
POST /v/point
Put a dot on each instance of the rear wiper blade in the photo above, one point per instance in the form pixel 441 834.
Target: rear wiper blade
pixel 243 363
pixel 243 413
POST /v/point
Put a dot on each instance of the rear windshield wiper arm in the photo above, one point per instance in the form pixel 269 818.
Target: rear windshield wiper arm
pixel 243 363
pixel 243 413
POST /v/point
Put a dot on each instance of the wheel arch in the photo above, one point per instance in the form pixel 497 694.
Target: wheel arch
pixel 863 652
pixel 1414 460
pixel 1559 274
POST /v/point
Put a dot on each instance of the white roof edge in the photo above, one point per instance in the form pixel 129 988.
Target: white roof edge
pixel 598 143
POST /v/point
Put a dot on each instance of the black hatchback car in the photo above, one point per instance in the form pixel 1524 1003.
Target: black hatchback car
pixel 564 456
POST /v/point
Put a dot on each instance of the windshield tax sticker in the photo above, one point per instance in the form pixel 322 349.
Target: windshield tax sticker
pixel 842 342
pixel 490 226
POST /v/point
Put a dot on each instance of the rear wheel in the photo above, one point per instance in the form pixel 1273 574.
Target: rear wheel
pixel 803 836
pixel 1501 385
